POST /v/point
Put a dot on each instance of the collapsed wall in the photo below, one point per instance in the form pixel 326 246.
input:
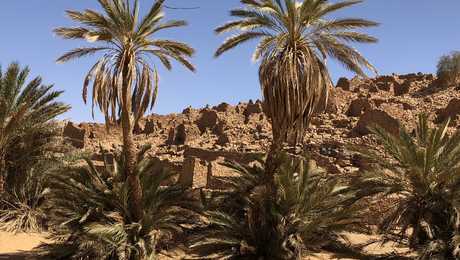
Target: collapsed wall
pixel 196 141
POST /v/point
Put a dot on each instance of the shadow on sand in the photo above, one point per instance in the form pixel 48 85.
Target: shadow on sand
pixel 17 256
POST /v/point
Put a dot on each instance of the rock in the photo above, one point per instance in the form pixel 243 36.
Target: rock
pixel 378 102
pixel 384 86
pixel 223 107
pixel 451 111
pixel 329 150
pixel 358 106
pixel 362 163
pixel 429 77
pixel 223 139
pixel 182 134
pixel 344 84
pixel 253 108
pixel 75 135
pixel 149 127
pixel 402 89
pixel 330 107
pixel 194 173
pixel 373 88
pixel 376 117
pixel 341 123
pixel 407 106
pixel 208 120
pixel 187 111
pixel 388 78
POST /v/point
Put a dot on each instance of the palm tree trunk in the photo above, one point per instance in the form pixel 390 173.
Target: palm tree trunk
pixel 129 152
pixel 2 173
pixel 272 163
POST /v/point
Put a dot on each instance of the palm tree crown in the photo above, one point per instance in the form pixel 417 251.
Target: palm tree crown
pixel 25 110
pixel 295 39
pixel 126 45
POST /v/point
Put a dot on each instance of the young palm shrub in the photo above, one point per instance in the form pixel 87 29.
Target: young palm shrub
pixel 422 183
pixel 309 214
pixel 26 110
pixel 21 208
pixel 28 142
pixel 89 209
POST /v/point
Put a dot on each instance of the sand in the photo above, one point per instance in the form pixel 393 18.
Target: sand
pixel 15 246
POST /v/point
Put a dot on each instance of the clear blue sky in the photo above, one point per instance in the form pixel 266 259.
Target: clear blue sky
pixel 413 34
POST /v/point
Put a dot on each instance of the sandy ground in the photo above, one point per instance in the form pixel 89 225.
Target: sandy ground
pixel 15 247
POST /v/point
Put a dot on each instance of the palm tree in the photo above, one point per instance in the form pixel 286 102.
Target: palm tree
pixel 26 110
pixel 295 39
pixel 422 181
pixel 122 78
pixel 89 208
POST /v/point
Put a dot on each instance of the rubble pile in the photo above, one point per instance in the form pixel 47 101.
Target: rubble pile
pixel 196 141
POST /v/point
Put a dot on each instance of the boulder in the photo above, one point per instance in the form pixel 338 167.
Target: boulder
pixel 194 173
pixel 330 107
pixel 223 139
pixel 384 86
pixel 187 111
pixel 222 107
pixel 253 108
pixel 182 134
pixel 388 78
pixel 402 89
pixel 376 117
pixel 208 120
pixel 75 135
pixel 150 127
pixel 451 111
pixel 373 88
pixel 344 84
pixel 358 106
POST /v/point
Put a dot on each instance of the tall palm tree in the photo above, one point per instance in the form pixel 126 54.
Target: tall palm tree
pixel 123 80
pixel 25 109
pixel 295 39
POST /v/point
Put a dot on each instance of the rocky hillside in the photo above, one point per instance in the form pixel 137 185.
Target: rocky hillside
pixel 195 141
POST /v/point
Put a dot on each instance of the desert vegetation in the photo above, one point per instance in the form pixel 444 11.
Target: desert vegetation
pixel 282 202
pixel 29 146
pixel 449 68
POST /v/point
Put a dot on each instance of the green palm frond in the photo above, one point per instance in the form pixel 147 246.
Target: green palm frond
pixel 309 214
pixel 89 208
pixel 27 110
pixel 295 39
pixel 421 178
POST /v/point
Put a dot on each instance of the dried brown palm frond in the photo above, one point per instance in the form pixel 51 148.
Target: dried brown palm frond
pixel 295 39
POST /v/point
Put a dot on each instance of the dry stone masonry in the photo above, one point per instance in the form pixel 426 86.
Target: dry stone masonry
pixel 196 142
